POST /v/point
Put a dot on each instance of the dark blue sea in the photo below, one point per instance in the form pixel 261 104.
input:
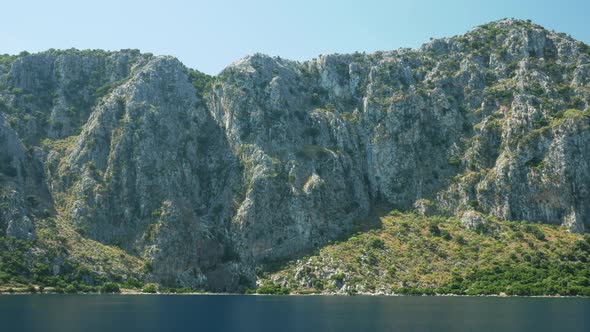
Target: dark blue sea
pixel 124 313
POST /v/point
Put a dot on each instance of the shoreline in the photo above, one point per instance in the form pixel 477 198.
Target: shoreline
pixel 138 293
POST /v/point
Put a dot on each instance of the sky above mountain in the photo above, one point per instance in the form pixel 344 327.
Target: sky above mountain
pixel 209 35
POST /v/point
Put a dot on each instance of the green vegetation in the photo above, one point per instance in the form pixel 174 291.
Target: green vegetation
pixel 110 287
pixel 102 90
pixel 454 161
pixel 14 264
pixel 411 254
pixel 564 115
pixel 271 288
pixel 201 81
pixel 28 264
pixel 132 283
pixel 6 60
pixel 150 288
pixel 21 271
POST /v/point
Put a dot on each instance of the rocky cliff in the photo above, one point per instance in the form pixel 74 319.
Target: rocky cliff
pixel 201 179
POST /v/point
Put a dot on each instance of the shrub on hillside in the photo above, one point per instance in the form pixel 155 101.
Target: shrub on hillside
pixel 110 287
pixel 150 288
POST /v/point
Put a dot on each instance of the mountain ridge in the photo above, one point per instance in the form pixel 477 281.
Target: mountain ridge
pixel 200 179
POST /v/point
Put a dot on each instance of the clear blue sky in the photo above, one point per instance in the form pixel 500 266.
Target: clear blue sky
pixel 209 35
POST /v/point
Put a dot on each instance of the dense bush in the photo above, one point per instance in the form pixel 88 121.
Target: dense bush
pixel 535 231
pixel 272 289
pixel 150 288
pixel 376 243
pixel 14 261
pixel 202 82
pixel 460 240
pixel 133 283
pixel 534 276
pixel 434 230
pixel 71 289
pixel 110 287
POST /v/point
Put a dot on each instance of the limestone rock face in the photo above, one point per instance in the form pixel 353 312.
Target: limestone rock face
pixel 58 89
pixel 153 174
pixel 302 165
pixel 472 220
pixel 22 191
pixel 205 181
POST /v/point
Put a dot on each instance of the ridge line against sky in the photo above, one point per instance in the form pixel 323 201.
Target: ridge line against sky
pixel 209 35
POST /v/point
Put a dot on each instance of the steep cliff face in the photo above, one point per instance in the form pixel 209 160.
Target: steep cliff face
pixel 20 179
pixel 303 170
pixel 204 181
pixel 151 173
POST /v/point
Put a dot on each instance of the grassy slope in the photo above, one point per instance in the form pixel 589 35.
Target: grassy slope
pixel 407 253
pixel 59 249
pixel 60 256
pixel 394 253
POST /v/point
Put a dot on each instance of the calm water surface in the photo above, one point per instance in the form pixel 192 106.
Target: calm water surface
pixel 123 313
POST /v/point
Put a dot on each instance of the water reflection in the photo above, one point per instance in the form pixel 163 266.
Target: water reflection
pixel 89 313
